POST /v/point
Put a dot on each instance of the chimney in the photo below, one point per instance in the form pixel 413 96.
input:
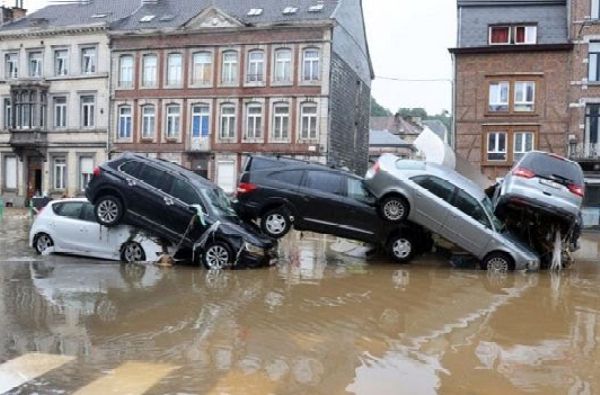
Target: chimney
pixel 12 14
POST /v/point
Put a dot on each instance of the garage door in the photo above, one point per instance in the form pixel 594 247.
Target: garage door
pixel 226 176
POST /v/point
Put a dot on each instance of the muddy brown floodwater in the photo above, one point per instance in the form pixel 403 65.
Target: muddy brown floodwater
pixel 320 322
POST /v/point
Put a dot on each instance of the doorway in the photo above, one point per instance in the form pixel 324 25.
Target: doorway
pixel 34 177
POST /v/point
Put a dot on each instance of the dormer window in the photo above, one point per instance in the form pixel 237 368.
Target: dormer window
pixel 255 12
pixel 515 34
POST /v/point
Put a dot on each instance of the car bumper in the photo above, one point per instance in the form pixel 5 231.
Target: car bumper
pixel 248 260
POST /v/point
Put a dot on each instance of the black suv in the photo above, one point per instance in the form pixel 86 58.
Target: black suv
pixel 282 193
pixel 162 197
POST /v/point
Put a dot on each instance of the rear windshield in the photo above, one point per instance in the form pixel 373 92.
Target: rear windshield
pixel 255 164
pixel 548 166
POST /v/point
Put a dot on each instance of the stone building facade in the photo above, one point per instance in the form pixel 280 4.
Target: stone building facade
pixel 205 84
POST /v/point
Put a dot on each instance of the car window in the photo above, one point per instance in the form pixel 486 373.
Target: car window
pixel 70 210
pixel 218 201
pixel 548 166
pixel 324 181
pixel 154 177
pixel 131 168
pixel 292 177
pixel 87 213
pixel 440 188
pixel 356 189
pixel 469 205
pixel 183 191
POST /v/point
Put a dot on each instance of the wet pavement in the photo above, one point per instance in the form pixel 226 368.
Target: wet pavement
pixel 320 322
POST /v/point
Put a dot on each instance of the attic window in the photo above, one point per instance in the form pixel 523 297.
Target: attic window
pixel 167 18
pixel 290 10
pixel 99 16
pixel 315 8
pixel 148 18
pixel 255 11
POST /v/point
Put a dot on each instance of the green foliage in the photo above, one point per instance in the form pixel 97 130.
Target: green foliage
pixel 377 110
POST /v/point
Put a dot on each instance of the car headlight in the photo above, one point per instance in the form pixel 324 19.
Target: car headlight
pixel 254 250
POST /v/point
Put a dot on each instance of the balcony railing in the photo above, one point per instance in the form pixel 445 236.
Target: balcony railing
pixel 588 151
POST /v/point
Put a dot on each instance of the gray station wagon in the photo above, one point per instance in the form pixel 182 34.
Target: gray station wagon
pixel 448 204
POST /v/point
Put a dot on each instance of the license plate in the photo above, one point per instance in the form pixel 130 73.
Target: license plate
pixel 551 184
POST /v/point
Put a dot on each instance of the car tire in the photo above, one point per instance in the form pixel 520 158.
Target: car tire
pixel 42 242
pixel 132 252
pixel 276 223
pixel 217 255
pixel 498 262
pixel 394 208
pixel 402 248
pixel 108 210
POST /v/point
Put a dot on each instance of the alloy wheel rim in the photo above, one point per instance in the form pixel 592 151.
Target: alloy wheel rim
pixel 217 257
pixel 393 210
pixel 108 211
pixel 43 243
pixel 497 265
pixel 402 248
pixel 275 224
pixel 133 253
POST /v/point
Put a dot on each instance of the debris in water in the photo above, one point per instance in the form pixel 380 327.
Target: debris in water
pixel 557 252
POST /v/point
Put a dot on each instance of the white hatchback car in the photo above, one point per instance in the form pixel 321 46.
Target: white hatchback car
pixel 69 226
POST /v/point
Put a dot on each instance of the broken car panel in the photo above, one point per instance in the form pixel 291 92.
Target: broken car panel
pixel 177 205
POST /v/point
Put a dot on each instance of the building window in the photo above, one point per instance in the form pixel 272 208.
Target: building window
pixel 283 65
pixel 200 120
pixel 499 34
pixel 10 172
pixel 496 146
pixel 593 63
pixel 525 34
pixel 61 62
pixel 523 143
pixel 88 60
pixel 86 170
pixel 35 64
pixel 254 121
pixel 8 121
pixel 149 65
pixel 524 96
pixel 310 63
pixel 592 130
pixel 256 66
pixel 281 122
pixel 308 121
pixel 173 120
pixel 148 121
pixel 519 34
pixel 11 65
pixel 60 173
pixel 595 11
pixel 126 71
pixel 202 68
pixel 227 130
pixel 174 67
pixel 499 94
pixel 125 126
pixel 25 110
pixel 230 67
pixel 60 112
pixel 88 111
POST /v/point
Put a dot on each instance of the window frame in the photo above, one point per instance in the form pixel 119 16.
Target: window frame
pixel 172 121
pixel 128 118
pixel 63 177
pixel 496 150
pixel 82 106
pixel 231 122
pixel 302 118
pixel 595 9
pixel 63 112
pixel 522 149
pixel 524 102
pixel 8 113
pixel 65 63
pixel 233 68
pixel 84 178
pixel 126 71
pixel 500 84
pixel 490 34
pixel 512 81
pixel 526 36
pixel 511 131
pixel 145 83
pixel 255 68
pixel 39 61
pixel 277 63
pixel 9 60
pixel 315 75
pixel 92 55
pixel 278 117
pixel 176 69
pixel 201 115
pixel 254 122
pixel 5 168
pixel 145 121
pixel 206 70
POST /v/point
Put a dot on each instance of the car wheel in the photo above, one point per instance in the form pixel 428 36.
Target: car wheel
pixel 401 248
pixel 108 210
pixel 217 256
pixel 276 223
pixel 497 262
pixel 133 252
pixel 394 208
pixel 42 242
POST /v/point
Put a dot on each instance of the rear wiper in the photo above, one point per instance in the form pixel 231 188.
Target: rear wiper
pixel 562 178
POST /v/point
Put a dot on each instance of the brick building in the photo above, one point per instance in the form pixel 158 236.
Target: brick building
pixel 512 80
pixel 202 83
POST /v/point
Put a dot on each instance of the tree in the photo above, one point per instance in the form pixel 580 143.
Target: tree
pixel 413 112
pixel 377 110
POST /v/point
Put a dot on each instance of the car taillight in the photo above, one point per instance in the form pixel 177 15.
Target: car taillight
pixel 523 172
pixel 376 167
pixel 97 171
pixel 246 187
pixel 577 189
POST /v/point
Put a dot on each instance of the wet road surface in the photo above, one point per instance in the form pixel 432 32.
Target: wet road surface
pixel 320 322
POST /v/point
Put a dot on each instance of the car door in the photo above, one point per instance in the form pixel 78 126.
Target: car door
pixel 468 225
pixel 153 202
pixel 185 196
pixel 431 205
pixel 69 234
pixel 360 220
pixel 319 203
pixel 96 239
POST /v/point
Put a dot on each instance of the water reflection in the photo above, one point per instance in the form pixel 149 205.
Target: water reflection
pixel 317 323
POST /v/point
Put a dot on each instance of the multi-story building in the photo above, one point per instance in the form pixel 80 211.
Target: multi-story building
pixel 54 78
pixel 512 80
pixel 202 83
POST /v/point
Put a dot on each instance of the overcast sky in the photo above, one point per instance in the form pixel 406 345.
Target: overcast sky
pixel 409 40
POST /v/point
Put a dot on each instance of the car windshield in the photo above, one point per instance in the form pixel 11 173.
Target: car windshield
pixel 489 209
pixel 218 201
pixel 548 166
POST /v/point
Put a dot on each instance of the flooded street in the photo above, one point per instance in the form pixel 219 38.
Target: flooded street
pixel 320 322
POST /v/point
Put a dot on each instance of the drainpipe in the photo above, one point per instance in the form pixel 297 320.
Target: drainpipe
pixel 110 100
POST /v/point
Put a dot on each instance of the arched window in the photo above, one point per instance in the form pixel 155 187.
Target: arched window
pixel 173 120
pixel 281 121
pixel 148 121
pixel 229 69
pixel 202 68
pixel 310 64
pixel 227 130
pixel 256 66
pixel 283 65
pixel 254 121
pixel 308 121
pixel 126 71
